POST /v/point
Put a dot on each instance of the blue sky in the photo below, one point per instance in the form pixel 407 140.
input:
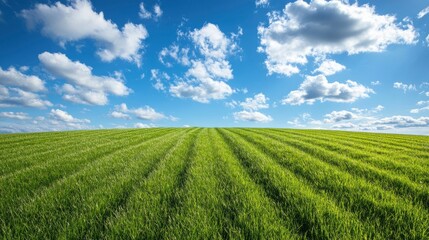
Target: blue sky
pixel 298 64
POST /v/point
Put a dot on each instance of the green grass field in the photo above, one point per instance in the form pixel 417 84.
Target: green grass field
pixel 198 183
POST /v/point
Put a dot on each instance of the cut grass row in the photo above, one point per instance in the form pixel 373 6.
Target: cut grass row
pixel 213 184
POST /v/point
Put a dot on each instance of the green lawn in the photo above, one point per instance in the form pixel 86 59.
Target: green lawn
pixel 199 183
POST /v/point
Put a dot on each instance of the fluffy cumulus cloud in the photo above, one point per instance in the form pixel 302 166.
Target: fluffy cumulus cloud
pixel 337 116
pixel 146 14
pixel 259 101
pixel 316 88
pixel 329 67
pixel 21 90
pixel 321 27
pixel 250 109
pixel 82 86
pixel 15 97
pixel 78 21
pixel 15 115
pixel 405 87
pixel 208 72
pixel 143 113
pixel 252 116
pixel 63 116
pixel 14 78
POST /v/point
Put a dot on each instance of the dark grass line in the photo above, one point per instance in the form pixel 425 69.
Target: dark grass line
pixel 401 187
pixel 76 152
pixel 107 171
pixel 306 227
pixel 175 202
pixel 127 190
pixel 408 150
pixel 415 173
pixel 25 161
pixel 232 211
pixel 384 139
pixel 40 140
pixel 43 186
pixel 359 206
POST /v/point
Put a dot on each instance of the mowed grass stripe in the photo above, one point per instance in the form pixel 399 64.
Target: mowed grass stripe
pixel 398 217
pixel 148 209
pixel 20 144
pixel 95 146
pixel 404 153
pixel 20 188
pixel 201 212
pixel 92 223
pixel 245 202
pixel 214 184
pixel 400 142
pixel 315 216
pixel 37 155
pixel 402 186
pixel 54 209
pixel 14 152
pixel 388 160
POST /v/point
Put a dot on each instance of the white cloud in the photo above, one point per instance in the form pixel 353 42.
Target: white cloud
pixel 87 88
pixel 178 54
pixel 14 78
pixel 259 3
pixel 404 87
pixel 337 116
pixel 375 83
pixel 144 113
pixel 15 115
pixel 212 42
pixel 329 67
pixel 122 115
pixel 321 27
pixel 345 125
pixel 159 77
pixel 56 120
pixel 63 116
pixel 252 116
pixel 423 12
pixel 143 125
pixel 304 119
pixel 402 121
pixel 259 101
pixel 318 88
pixel 250 107
pixel 361 111
pixel 15 97
pixel 206 76
pixel 78 21
pixel 24 68
pixel 425 107
pixel 146 14
pixel 19 89
pixel 157 11
pixel 204 91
